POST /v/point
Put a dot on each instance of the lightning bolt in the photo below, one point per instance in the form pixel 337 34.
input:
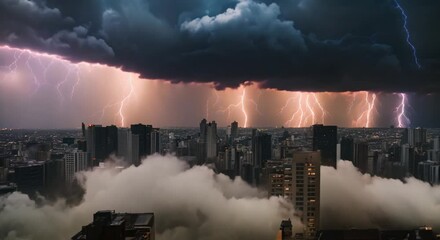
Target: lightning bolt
pixel 365 118
pixel 35 60
pixel 241 105
pixel 323 113
pixel 243 108
pixel 121 107
pixel 402 119
pixel 307 108
pixel 408 36
pixel 213 105
pixel 32 58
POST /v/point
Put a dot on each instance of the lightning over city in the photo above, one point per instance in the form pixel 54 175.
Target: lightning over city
pixel 220 120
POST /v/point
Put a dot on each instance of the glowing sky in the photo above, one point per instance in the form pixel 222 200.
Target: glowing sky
pixel 356 63
pixel 45 91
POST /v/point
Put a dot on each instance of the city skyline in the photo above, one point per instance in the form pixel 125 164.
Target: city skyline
pixel 220 119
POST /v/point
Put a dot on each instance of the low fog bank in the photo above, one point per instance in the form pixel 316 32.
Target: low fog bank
pixel 189 203
pixel 196 203
pixel 350 199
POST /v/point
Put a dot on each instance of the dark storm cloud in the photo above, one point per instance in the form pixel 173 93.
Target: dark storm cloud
pixel 316 45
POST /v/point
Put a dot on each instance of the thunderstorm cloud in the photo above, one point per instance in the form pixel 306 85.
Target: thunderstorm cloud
pixel 316 45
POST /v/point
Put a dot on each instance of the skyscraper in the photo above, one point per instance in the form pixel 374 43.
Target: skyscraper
pixel 211 140
pixel 360 154
pixel 128 146
pixel 347 147
pixel 234 130
pixel 155 141
pixel 101 142
pixel 261 148
pixel 298 179
pixel 414 136
pixel 306 177
pixel 144 133
pixel 74 162
pixel 325 139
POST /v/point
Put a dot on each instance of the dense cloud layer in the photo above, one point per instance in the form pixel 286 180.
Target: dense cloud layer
pixel 315 45
pixel 188 203
pixel 352 200
pixel 198 204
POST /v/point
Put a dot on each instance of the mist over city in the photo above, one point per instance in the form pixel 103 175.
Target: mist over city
pixel 212 120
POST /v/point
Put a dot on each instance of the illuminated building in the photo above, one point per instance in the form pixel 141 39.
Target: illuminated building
pixel 298 179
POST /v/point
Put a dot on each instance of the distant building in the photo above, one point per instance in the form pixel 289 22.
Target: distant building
pixel 414 136
pixel 108 225
pixel 234 130
pixel 211 140
pixel 207 145
pixel 261 148
pixel 74 162
pixel 429 171
pixel 144 133
pixel 156 143
pixel 30 179
pixel 128 146
pixel 360 156
pixel 325 139
pixel 101 142
pixel 347 148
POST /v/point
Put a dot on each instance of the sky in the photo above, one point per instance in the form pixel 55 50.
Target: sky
pixel 263 63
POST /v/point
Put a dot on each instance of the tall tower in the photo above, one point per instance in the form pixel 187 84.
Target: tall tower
pixel 325 139
pixel 306 177
pixel 211 140
pixel 234 130
pixel 298 179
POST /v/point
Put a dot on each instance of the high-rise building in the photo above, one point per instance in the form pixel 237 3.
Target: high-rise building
pixel 360 156
pixel 74 162
pixel 306 177
pixel 155 141
pixel 111 133
pixel 407 159
pixel 429 171
pixel 30 178
pixel 436 144
pixel 203 125
pixel 128 146
pixel 414 136
pixel 261 148
pixel 325 139
pixel 234 130
pixel 211 140
pixel 108 225
pixel 144 133
pixel 101 142
pixel 298 179
pixel 347 148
